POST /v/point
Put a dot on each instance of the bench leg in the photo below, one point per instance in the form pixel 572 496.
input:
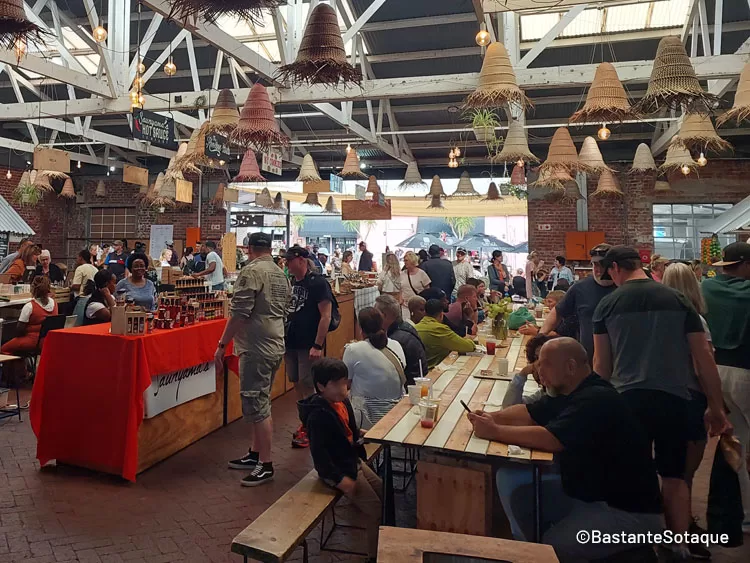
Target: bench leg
pixel 389 504
pixel 305 554
pixel 537 480
pixel 324 542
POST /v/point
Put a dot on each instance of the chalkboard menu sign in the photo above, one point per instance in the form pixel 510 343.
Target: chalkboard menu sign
pixel 4 239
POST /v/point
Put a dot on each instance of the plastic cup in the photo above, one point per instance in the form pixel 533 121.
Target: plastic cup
pixel 428 413
pixel 414 393
pixel 425 386
pixel 502 366
pixel 491 343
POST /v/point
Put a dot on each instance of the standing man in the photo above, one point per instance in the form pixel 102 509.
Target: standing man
pixel 214 270
pixel 581 301
pixel 728 315
pixel 646 339
pixel 462 269
pixel 115 261
pixel 256 324
pixel 309 318
pixel 365 259
pixel 440 271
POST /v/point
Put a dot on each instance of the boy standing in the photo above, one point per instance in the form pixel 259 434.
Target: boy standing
pixel 335 444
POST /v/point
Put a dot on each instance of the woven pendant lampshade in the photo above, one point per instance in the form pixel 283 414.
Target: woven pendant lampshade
pixel 643 161
pixel 162 191
pixel 673 82
pixel 101 189
pixel 42 181
pixel 436 188
pixel 278 201
pixel 698 133
pixel 590 158
pixel 219 195
pixel 572 193
pixel 607 186
pixel 264 199
pixel 497 82
pixel 312 199
pixel 67 189
pixel 321 58
pixel 15 28
pixel 225 116
pixel 372 186
pixel 516 146
pixel 436 202
pixel 465 188
pixel 606 100
pixel 195 153
pixel 562 153
pixel 493 194
pixel 257 126
pixel 211 10
pixel 662 186
pixel 249 171
pixel 741 107
pixel 677 157
pixel 331 206
pixel 173 171
pixel 518 176
pixel 412 178
pixel 553 179
pixel 308 172
pixel 351 170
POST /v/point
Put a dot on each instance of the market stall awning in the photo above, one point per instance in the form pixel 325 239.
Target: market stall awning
pixel 423 240
pixel 521 247
pixel 11 222
pixel 481 241
pixel 732 219
pixel 325 225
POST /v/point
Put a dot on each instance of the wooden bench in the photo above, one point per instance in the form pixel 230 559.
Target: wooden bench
pixel 275 534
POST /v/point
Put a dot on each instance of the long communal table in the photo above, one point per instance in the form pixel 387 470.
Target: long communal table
pixel 455 484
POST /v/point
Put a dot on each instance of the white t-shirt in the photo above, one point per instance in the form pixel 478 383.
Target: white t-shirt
pixel 217 276
pixel 26 310
pixel 419 281
pixel 92 308
pixel 372 374
pixel 83 274
pixel 389 285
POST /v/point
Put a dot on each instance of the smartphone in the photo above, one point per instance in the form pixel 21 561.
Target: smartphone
pixel 465 406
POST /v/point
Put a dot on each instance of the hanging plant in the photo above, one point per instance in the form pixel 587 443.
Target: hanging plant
pixel 27 194
pixel 518 191
pixel 484 122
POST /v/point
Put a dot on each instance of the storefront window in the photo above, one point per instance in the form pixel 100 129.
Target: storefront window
pixel 678 228
pixel 111 223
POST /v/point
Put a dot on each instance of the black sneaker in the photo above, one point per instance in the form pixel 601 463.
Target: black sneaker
pixel 698 551
pixel 249 461
pixel 263 472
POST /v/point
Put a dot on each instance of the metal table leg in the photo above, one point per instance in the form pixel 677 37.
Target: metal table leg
pixel 389 505
pixel 537 479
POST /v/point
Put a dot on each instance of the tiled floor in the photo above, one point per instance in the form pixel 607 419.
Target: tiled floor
pixel 187 509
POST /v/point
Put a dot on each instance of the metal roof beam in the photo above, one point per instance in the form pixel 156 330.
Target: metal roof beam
pixel 551 35
pixel 37 65
pixel 362 20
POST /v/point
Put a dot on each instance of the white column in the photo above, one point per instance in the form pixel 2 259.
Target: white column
pixel 118 42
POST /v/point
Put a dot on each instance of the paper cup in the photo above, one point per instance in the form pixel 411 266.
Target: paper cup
pixel 414 393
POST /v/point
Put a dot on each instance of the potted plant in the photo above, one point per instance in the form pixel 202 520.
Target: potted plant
pixel 27 193
pixel 484 122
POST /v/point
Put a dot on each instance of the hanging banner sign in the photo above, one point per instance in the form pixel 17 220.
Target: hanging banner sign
pixel 154 128
pixel 337 184
pixel 178 387
pixel 217 147
pixel 271 162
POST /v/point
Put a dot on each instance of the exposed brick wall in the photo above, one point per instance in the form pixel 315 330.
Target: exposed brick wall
pixel 630 219
pixel 61 224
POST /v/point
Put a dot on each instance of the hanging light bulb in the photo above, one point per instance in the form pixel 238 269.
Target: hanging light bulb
pixel 9 174
pixel 222 163
pixel 363 165
pixel 139 82
pixel 141 99
pixel 107 172
pixel 604 133
pixel 170 69
pixel 134 95
pixel 702 160
pixel 79 164
pixel 348 148
pixel 19 47
pixel 452 154
pixel 483 36
pixel 685 169
pixel 141 67
pixel 99 33
pixel 457 151
pixel 520 162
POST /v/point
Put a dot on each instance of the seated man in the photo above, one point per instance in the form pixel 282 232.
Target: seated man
pixel 608 477
pixel 438 339
pixel 440 295
pixel 405 334
pixel 566 326
pixel 464 311
pixel 514 393
pixel 416 309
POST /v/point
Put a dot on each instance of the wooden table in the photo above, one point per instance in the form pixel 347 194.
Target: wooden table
pixel 452 458
pixel 401 545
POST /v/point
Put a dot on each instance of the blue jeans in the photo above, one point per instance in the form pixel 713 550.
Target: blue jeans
pixel 218 287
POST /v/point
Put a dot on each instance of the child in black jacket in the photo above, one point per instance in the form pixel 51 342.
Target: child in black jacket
pixel 335 444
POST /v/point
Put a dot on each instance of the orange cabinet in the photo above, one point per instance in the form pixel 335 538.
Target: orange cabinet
pixel 578 243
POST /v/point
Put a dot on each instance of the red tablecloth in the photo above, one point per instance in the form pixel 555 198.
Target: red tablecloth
pixel 87 401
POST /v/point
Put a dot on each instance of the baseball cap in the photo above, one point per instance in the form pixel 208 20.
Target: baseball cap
pixel 169 243
pixel 323 251
pixel 118 242
pixel 619 254
pixel 297 252
pixel 599 251
pixel 734 254
pixel 260 240
pixel 461 249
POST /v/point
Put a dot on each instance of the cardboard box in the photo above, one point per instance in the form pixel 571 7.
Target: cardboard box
pixel 128 323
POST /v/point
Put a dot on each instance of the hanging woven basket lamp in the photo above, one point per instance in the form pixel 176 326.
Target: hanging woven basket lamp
pixel 678 158
pixel 195 152
pixel 516 146
pixel 164 192
pixel 351 170
pixel 312 199
pixel 741 107
pixel 219 195
pixel 225 116
pixel 493 193
pixel 643 161
pixel 607 186
pixel 465 188
pixel 606 100
pixel 264 199
pixel 321 58
pixel 101 189
pixel 497 82
pixel 697 133
pixel 308 172
pixel 15 28
pixel 412 178
pixel 673 82
pixel 590 158
pixel 211 10
pixel 258 127
pixel 553 179
pixel 436 188
pixel 373 187
pixel 278 201
pixel 562 155
pixel 662 186
pixel 68 190
pixel 436 202
pixel 42 181
pixel 518 176
pixel 249 171
pixel 331 207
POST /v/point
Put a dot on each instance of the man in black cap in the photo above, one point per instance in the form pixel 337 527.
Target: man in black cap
pixel 646 339
pixel 115 261
pixel 440 271
pixel 256 324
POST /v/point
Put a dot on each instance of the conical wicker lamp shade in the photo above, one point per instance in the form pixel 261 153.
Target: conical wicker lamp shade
pixel 219 195
pixel 101 189
pixel 562 154
pixel 257 126
pixel 278 201
pixel 264 199
pixel 162 191
pixel 677 157
pixel 351 170
pixel 607 186
pixel 181 151
pixel 643 161
pixel 606 100
pixel 662 186
pixel 372 186
pixel 211 10
pixel 225 115
pixel 436 202
pixel 195 154
pixel 312 199
pixel 42 181
pixel 173 171
pixel 516 146
pixel 698 133
pixel 572 193
pixel 553 179
pixel 25 179
pixel 741 107
pixel 436 188
pixel 67 189
pixel 412 178
pixel 590 158
pixel 518 176
pixel 249 171
pixel 308 172
pixel 493 194
pixel 331 206
pixel 465 189
pixel 497 82
pixel 321 58
pixel 673 82
pixel 15 28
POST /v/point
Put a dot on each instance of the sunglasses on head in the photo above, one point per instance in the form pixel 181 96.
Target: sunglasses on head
pixel 596 252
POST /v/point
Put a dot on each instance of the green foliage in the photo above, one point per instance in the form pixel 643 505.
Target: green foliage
pixel 27 195
pixel 460 225
pixel 518 191
pixel 298 221
pixel 362 228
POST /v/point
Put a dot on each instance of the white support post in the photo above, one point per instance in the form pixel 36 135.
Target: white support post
pixel 692 10
pixel 217 69
pixel 233 75
pixel 240 73
pixel 705 38
pixel 362 20
pixel 19 98
pixel 694 38
pixel 194 71
pixel 118 42
pixel 278 28
pixel 104 52
pixel 718 25
pixel 551 35
pixel 379 128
